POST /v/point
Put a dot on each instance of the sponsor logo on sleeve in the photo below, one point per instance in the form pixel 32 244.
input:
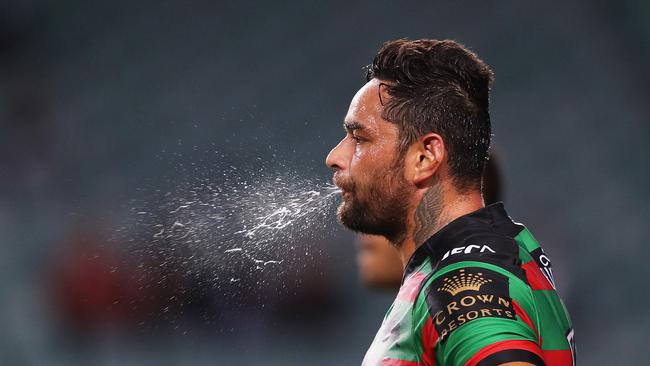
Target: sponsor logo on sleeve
pixel 464 295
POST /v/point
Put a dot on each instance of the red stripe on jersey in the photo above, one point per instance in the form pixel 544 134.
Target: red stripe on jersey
pixel 409 290
pixel 501 346
pixel 396 362
pixel 429 339
pixel 535 277
pixel 558 357
pixel 522 314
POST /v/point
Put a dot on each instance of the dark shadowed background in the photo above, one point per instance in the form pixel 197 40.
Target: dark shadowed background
pixel 106 105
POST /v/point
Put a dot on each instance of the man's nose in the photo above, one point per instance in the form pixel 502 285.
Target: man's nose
pixel 336 159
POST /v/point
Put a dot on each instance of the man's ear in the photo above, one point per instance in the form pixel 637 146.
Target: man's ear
pixel 429 153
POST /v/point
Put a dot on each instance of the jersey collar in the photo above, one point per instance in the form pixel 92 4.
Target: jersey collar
pixel 494 216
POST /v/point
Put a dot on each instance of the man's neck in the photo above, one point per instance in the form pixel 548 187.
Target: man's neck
pixel 437 208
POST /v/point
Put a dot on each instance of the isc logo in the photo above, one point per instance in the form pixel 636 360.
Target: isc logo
pixel 544 263
pixel 468 249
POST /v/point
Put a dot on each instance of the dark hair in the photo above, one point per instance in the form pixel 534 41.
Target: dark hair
pixel 492 186
pixel 442 87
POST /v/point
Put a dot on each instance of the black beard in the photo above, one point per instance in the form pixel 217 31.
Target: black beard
pixel 384 212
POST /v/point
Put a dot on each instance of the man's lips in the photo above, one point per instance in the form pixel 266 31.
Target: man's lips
pixel 344 192
pixel 345 189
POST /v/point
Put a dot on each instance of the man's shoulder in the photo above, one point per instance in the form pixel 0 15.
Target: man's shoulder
pixel 468 297
pixel 483 264
pixel 483 245
pixel 480 255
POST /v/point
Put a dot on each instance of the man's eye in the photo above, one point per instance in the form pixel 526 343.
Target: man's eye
pixel 357 139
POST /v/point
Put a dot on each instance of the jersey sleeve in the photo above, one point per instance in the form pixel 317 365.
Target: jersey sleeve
pixel 473 313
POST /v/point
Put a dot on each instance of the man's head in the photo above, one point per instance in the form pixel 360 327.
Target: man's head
pixel 379 263
pixel 420 121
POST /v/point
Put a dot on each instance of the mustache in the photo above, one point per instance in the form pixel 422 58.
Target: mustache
pixel 345 184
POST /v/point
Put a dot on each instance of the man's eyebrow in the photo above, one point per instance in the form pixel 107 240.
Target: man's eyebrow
pixel 353 125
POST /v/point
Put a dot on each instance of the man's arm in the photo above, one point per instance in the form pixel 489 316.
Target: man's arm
pixel 474 319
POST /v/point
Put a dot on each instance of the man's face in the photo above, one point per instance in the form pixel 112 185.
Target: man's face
pixel 369 169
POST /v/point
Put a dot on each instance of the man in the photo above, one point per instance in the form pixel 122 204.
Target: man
pixel 477 288
pixel 378 261
pixel 380 267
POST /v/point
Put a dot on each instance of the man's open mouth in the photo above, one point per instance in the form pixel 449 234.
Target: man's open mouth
pixel 345 189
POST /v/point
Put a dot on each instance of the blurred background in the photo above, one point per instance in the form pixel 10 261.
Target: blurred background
pixel 108 107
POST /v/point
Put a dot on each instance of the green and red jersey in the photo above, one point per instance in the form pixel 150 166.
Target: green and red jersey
pixel 479 292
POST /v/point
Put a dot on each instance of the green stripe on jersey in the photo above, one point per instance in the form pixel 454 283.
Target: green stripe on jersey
pixel 554 333
pixel 526 239
pixel 463 343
